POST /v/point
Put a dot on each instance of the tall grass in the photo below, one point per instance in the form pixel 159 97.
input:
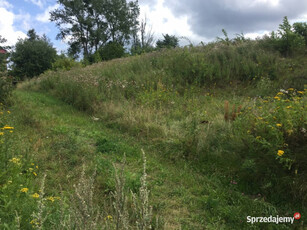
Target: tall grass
pixel 176 100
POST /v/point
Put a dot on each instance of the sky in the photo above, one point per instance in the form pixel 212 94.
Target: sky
pixel 197 20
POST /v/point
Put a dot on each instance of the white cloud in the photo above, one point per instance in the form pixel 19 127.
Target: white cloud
pixel 5 4
pixel 7 29
pixel 24 20
pixel 44 17
pixel 39 3
pixel 164 22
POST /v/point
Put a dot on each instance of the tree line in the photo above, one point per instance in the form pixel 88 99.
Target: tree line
pixel 99 30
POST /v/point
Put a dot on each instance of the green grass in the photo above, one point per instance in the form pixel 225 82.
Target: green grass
pixel 203 172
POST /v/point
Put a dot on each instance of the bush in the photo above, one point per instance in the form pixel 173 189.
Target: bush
pixel 64 63
pixel 6 88
pixel 274 134
pixel 111 51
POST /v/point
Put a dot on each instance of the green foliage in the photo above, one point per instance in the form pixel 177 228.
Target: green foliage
pixel 111 50
pixel 32 57
pixel 97 23
pixel 301 29
pixel 3 56
pixel 64 63
pixel 274 135
pixel 5 81
pixel 289 41
pixel 169 41
pixel 6 87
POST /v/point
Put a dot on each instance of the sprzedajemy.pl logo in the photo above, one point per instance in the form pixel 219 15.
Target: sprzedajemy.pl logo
pixel 273 219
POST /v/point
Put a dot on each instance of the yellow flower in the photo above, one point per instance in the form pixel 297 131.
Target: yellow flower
pixel 108 217
pixel 34 173
pixel 277 98
pixel 8 127
pixel 25 190
pixel 301 92
pixel 289 107
pixel 290 89
pixel 8 112
pixel 35 195
pixel 258 137
pixel 1 133
pixel 280 153
pixel 278 125
pixel 15 160
pixel 279 93
pixel 50 198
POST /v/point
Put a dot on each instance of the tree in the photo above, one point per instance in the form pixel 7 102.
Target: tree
pixel 3 55
pixel 32 56
pixel 144 43
pixel 91 24
pixel 169 41
pixel 289 41
pixel 112 50
pixel 301 29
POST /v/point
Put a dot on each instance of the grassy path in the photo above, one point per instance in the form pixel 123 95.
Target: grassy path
pixel 63 139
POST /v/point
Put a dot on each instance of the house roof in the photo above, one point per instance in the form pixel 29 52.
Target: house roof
pixel 3 51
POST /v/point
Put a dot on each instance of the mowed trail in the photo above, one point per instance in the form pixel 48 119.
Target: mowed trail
pixel 175 188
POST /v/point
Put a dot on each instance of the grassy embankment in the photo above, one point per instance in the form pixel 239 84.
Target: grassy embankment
pixel 209 163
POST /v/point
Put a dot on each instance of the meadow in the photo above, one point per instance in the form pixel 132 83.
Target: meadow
pixel 187 138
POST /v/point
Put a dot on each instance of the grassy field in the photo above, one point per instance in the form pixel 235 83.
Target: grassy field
pixel 223 128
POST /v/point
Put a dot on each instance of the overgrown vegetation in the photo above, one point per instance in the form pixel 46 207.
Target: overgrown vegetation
pixel 224 123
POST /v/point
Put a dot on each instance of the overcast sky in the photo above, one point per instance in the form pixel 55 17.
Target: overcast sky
pixel 198 20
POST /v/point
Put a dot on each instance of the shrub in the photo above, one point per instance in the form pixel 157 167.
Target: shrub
pixel 274 135
pixel 64 63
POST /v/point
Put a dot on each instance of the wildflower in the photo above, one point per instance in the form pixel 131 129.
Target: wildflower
pixel 278 125
pixel 30 169
pixel 8 112
pixel 15 160
pixel 248 131
pixel 108 217
pixel 11 131
pixel 25 190
pixel 258 137
pixel 277 98
pixel 260 118
pixel 290 89
pixel 300 92
pixel 34 173
pixel 280 93
pixel 289 107
pixel 1 133
pixel 50 198
pixel 8 127
pixel 280 153
pixel 35 195
pixel 34 222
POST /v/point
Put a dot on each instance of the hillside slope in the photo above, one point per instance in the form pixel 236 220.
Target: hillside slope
pixel 223 129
